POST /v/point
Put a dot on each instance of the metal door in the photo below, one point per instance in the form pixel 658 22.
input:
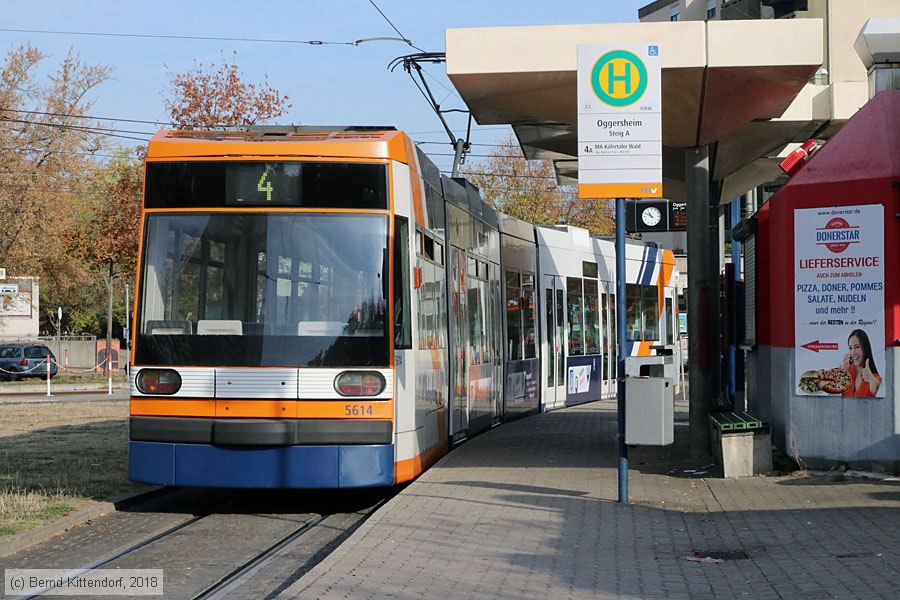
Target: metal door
pixel 554 342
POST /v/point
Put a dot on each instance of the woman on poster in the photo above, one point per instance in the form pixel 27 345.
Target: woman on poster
pixel 860 365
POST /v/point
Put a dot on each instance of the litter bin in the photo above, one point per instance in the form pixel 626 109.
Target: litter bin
pixel 667 351
pixel 649 410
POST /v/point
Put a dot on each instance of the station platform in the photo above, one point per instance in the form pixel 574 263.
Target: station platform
pixel 528 510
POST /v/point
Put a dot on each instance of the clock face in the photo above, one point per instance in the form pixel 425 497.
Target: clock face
pixel 651 216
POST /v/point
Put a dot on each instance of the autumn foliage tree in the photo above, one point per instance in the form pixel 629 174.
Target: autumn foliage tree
pixel 106 226
pixel 215 95
pixel 69 200
pixel 46 145
pixel 50 154
pixel 527 190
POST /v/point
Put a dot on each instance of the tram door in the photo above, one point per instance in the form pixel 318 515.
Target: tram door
pixel 603 323
pixel 555 342
pixel 669 330
pixel 459 343
pixel 608 328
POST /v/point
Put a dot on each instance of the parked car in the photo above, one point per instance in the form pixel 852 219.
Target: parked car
pixel 25 360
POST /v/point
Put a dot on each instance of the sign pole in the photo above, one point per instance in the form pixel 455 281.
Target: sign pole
pixel 619 156
pixel 620 346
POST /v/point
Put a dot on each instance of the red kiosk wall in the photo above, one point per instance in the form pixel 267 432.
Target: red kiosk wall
pixel 859 166
pixel 775 254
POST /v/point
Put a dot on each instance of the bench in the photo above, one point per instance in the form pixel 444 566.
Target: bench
pixel 736 421
pixel 742 443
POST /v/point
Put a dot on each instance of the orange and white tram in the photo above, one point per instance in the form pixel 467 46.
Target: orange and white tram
pixel 320 308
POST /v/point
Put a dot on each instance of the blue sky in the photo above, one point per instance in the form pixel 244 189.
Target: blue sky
pixel 327 84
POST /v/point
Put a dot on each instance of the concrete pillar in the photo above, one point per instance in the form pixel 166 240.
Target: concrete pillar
pixel 704 312
pixel 878 47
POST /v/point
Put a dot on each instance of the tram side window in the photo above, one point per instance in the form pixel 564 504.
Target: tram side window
pixel 513 316
pixel 669 336
pixel 613 323
pixel 432 306
pixel 641 313
pixel 633 327
pixel 477 335
pixel 440 287
pixel 428 249
pixel 575 321
pixel 591 317
pixel 650 307
pixel 528 325
pixel 402 324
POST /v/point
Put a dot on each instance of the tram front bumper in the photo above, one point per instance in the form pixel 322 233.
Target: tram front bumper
pixel 205 465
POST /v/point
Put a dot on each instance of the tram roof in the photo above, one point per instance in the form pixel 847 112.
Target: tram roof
pixel 283 142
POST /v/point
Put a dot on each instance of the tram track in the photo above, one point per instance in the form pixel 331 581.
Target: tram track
pixel 330 531
pixel 105 560
pixel 257 543
pixel 233 580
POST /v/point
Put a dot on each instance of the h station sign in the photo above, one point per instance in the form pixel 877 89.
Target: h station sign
pixel 619 122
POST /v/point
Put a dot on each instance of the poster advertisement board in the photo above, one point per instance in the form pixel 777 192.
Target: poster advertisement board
pixel 839 301
pixel 15 299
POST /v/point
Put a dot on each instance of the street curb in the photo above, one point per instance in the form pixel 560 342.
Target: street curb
pixel 19 541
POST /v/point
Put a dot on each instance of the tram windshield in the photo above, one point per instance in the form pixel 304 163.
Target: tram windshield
pixel 264 289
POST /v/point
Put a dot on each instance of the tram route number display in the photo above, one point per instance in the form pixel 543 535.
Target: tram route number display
pixel 838 294
pixel 263 184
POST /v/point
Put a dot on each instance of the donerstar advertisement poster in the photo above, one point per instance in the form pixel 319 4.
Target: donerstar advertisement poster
pixel 839 301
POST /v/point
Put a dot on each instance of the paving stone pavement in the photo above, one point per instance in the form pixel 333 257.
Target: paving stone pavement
pixel 528 510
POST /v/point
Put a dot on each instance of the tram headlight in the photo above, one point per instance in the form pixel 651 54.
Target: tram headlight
pixel 158 381
pixel 359 383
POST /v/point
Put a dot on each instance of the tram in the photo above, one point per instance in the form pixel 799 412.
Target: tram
pixel 321 308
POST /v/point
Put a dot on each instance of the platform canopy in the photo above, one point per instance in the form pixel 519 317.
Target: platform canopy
pixel 743 84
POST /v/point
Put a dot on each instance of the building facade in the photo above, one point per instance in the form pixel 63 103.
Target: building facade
pixel 19 307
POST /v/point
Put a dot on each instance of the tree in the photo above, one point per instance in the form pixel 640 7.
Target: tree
pixel 46 145
pixel 65 210
pixel 527 190
pixel 105 226
pixel 214 95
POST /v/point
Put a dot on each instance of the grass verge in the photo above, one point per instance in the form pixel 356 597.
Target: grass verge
pixel 56 457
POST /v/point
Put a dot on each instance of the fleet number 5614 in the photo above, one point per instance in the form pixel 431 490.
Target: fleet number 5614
pixel 357 410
